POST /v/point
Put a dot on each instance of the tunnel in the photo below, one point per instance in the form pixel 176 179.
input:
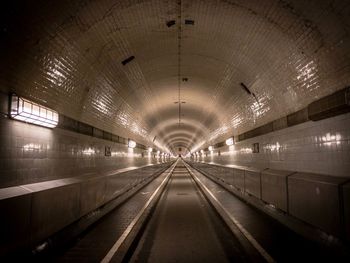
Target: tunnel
pixel 175 131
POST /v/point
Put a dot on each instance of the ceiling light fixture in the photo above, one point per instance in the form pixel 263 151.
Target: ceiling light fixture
pixel 131 144
pixel 31 112
pixel 229 141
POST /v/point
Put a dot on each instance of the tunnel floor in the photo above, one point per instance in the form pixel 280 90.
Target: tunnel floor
pixel 184 228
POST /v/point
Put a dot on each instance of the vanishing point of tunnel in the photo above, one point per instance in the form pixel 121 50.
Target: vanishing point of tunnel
pixel 175 131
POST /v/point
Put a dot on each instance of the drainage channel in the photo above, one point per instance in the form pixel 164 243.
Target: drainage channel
pixel 182 226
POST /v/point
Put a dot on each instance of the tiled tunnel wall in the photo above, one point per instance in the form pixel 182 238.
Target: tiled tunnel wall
pixel 38 206
pixel 319 147
pixel 30 154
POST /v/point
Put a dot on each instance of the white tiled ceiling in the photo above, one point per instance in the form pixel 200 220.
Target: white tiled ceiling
pixel 67 55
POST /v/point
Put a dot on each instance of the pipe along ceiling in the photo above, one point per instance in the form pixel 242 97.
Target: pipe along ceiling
pixel 186 73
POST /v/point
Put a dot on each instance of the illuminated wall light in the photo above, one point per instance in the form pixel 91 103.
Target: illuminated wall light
pixel 229 141
pixel 131 144
pixel 202 151
pixel 89 151
pixel 211 148
pixel 246 150
pixel 329 139
pixel 150 149
pixel 273 147
pixel 31 147
pixel 28 111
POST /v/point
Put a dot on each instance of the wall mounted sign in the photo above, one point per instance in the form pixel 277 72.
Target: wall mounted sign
pixel 256 147
pixel 108 151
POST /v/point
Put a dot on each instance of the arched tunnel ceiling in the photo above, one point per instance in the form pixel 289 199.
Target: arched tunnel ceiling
pixel 67 55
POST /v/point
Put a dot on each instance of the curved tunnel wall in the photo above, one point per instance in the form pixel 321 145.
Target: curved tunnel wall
pixel 72 56
pixel 68 56
pixel 319 147
pixel 31 154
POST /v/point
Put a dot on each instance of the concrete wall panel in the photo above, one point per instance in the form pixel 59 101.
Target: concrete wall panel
pixel 315 199
pixel 274 188
pixel 92 194
pixel 33 212
pixel 252 182
pixel 346 205
pixel 15 205
pixel 238 178
pixel 53 209
pixel 226 174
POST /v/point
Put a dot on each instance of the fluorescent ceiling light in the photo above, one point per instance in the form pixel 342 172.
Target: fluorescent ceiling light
pixel 229 141
pixel 31 112
pixel 131 144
